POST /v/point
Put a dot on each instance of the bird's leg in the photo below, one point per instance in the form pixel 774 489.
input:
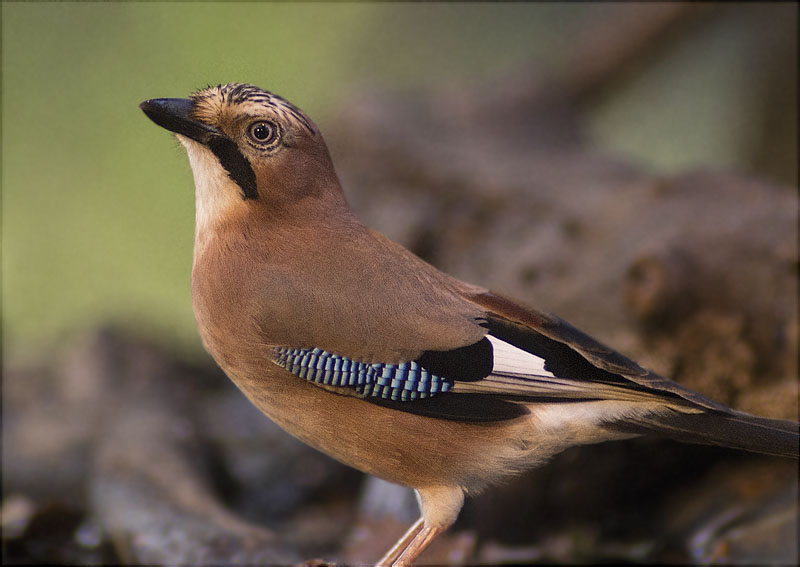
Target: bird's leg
pixel 439 506
pixel 417 546
pixel 402 544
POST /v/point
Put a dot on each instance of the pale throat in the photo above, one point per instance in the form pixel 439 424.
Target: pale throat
pixel 216 194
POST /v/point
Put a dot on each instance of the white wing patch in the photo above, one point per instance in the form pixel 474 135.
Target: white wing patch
pixel 518 372
pixel 512 361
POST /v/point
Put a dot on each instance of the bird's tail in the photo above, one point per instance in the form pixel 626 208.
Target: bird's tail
pixel 733 429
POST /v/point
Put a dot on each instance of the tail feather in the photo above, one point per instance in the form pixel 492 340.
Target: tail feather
pixel 733 429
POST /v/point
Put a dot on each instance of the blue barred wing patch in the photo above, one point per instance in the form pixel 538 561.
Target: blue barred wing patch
pixel 399 382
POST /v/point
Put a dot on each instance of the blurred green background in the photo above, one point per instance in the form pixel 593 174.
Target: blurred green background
pixel 97 212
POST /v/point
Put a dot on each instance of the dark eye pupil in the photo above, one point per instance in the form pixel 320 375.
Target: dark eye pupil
pixel 262 132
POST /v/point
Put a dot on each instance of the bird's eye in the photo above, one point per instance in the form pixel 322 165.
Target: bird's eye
pixel 263 132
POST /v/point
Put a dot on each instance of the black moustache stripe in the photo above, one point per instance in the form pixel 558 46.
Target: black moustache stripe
pixel 237 166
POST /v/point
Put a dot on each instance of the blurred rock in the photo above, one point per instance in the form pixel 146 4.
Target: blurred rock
pixel 742 516
pixel 15 515
pixel 151 491
pixel 54 534
pixel 163 456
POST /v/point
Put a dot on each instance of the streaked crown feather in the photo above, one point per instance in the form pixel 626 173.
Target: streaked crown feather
pixel 213 105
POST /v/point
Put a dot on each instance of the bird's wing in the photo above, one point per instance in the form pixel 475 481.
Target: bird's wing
pixel 683 414
pixel 568 351
pixel 525 356
pixel 527 359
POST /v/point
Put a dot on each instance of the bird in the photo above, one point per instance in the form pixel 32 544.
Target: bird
pixel 366 352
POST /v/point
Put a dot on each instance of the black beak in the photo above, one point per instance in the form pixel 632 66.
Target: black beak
pixel 174 114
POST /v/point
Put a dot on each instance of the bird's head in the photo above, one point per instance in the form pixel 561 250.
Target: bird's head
pixel 249 150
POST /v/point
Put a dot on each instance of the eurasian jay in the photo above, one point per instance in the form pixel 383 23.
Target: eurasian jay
pixel 364 351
